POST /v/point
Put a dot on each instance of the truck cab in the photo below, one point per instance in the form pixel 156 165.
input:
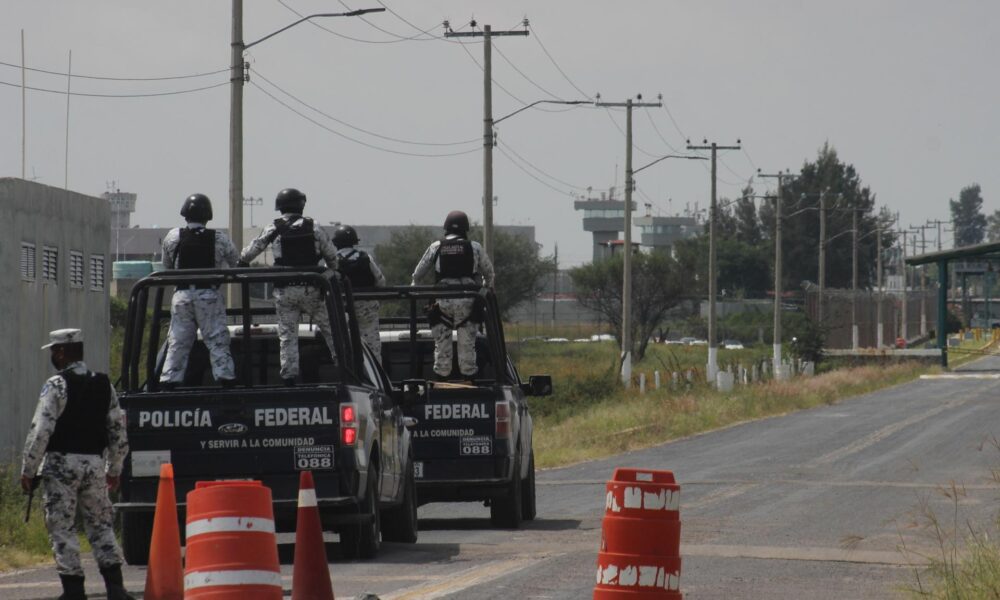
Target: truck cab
pixel 473 437
pixel 343 421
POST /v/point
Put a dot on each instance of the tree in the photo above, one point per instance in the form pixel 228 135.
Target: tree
pixel 658 281
pixel 800 226
pixel 520 270
pixel 993 227
pixel 967 216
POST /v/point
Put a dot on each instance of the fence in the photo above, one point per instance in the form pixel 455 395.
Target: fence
pixel 921 316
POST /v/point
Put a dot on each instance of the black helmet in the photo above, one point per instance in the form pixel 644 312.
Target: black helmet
pixel 457 222
pixel 344 236
pixel 197 209
pixel 290 200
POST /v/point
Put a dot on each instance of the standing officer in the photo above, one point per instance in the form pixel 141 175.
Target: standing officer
pixel 77 420
pixel 456 261
pixel 361 270
pixel 199 306
pixel 295 242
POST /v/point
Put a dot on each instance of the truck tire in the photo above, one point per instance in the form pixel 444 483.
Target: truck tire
pixel 137 535
pixel 506 512
pixel 363 540
pixel 528 510
pixel 399 524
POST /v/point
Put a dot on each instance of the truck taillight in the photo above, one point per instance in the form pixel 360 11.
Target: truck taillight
pixel 503 420
pixel 348 424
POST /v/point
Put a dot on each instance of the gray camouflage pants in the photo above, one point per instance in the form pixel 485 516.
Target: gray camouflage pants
pixel 367 313
pixel 68 481
pixel 458 310
pixel 192 310
pixel 289 304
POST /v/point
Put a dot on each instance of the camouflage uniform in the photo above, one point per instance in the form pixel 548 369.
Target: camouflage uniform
pixel 367 311
pixel 455 309
pixel 72 480
pixel 192 309
pixel 291 301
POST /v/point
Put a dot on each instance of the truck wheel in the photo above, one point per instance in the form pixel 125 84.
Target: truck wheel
pixel 400 524
pixel 528 495
pixel 137 535
pixel 362 540
pixel 506 512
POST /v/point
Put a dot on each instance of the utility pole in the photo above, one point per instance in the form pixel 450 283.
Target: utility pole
pixel 252 202
pixel 779 370
pixel 879 335
pixel 903 327
pixel 854 279
pixel 237 78
pixel 69 79
pixel 712 368
pixel 626 358
pixel 923 275
pixel 822 256
pixel 555 285
pixel 487 34
pixel 24 113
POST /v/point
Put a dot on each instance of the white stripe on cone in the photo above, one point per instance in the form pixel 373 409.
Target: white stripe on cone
pixel 307 498
pixel 227 524
pixel 215 578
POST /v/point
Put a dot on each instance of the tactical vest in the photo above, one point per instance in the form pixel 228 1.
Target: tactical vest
pixel 82 426
pixel 298 244
pixel 455 259
pixel 196 249
pixel 357 267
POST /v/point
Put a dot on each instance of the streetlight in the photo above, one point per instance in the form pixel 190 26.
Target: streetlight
pixel 238 79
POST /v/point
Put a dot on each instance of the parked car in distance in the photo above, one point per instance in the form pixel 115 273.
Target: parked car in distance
pixel 687 341
pixel 732 344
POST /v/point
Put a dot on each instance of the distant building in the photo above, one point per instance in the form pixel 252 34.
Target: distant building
pixel 122 206
pixel 661 233
pixel 57 241
pixel 604 218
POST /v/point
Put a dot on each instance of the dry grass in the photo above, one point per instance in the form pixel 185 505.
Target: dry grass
pixel 626 420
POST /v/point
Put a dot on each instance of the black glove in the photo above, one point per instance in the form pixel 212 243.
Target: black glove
pixel 242 264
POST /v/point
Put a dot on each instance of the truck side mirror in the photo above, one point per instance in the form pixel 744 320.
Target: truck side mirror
pixel 540 385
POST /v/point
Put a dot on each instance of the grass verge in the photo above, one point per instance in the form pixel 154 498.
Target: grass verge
pixel 21 544
pixel 626 420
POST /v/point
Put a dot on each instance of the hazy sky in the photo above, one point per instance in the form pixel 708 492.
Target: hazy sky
pixel 906 90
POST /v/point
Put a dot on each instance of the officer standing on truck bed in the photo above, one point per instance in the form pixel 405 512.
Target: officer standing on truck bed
pixel 360 269
pixel 295 241
pixel 198 306
pixel 456 261
pixel 76 422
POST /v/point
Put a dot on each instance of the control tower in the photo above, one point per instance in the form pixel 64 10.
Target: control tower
pixel 122 207
pixel 604 217
pixel 661 233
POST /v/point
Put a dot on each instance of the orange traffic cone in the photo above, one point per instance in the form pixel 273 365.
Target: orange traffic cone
pixel 165 576
pixel 310 573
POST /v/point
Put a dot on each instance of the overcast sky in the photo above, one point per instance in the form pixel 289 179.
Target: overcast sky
pixel 906 90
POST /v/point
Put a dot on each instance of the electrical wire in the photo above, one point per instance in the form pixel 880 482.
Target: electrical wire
pixel 534 31
pixel 521 73
pixel 532 175
pixel 355 140
pixel 658 133
pixel 356 128
pixel 505 90
pixel 105 78
pixel 622 131
pixel 92 95
pixel 398 38
pixel 532 165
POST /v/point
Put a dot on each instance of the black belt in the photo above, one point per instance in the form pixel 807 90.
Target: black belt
pixel 281 286
pixel 198 286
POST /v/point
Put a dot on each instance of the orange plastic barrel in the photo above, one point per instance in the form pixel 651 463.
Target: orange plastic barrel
pixel 639 558
pixel 232 553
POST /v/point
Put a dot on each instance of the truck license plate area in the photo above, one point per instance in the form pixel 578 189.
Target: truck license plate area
pixel 476 445
pixel 313 458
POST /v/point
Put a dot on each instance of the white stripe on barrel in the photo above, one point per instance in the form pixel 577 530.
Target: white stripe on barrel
pixel 307 498
pixel 200 579
pixel 224 524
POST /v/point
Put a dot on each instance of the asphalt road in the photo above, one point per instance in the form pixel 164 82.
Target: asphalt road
pixel 815 504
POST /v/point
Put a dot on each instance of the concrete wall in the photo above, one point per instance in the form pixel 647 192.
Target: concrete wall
pixel 29 309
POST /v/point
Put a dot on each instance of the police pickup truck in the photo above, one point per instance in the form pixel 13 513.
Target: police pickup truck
pixel 343 421
pixel 472 440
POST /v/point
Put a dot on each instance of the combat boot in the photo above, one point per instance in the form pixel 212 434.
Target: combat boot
pixel 114 584
pixel 72 587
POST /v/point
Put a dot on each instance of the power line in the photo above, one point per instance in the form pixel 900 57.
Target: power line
pixel 93 95
pixel 505 90
pixel 356 128
pixel 532 165
pixel 532 175
pixel 106 78
pixel 528 79
pixel 355 140
pixel 658 133
pixel 398 38
pixel 558 68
